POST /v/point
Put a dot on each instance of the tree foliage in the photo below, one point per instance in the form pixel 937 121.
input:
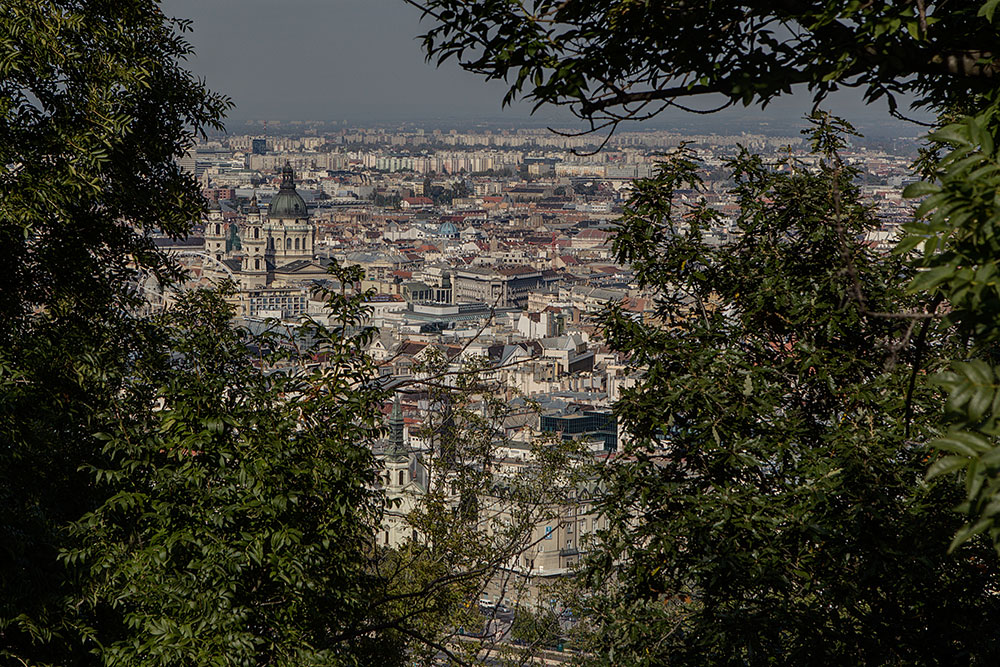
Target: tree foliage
pixel 240 502
pixel 956 232
pixel 539 628
pixel 96 107
pixel 627 59
pixel 769 509
pixel 614 60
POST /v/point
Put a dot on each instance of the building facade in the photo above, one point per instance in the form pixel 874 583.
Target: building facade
pixel 269 255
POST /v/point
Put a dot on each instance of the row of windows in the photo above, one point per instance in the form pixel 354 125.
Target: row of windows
pixel 288 244
pixel 270 241
pixel 218 230
pixel 549 530
pixel 568 545
pixel 282 301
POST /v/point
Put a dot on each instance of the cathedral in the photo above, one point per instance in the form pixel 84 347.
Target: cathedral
pixel 271 256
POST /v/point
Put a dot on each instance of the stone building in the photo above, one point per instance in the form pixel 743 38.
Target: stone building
pixel 503 287
pixel 401 480
pixel 269 255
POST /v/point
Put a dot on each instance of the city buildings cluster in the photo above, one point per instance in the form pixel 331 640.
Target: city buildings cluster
pixel 486 245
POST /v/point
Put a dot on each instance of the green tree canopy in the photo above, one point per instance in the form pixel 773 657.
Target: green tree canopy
pixel 610 60
pixel 769 509
pixel 95 108
pixel 615 60
pixel 241 502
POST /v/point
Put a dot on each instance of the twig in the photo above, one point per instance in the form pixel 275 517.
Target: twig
pixel 921 345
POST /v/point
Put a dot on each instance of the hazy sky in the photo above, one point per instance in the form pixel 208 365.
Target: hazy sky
pixel 360 60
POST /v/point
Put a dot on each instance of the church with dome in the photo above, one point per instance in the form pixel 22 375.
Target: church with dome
pixel 270 255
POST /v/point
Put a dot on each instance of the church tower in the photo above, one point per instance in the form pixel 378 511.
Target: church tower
pixel 290 234
pixel 400 486
pixel 397 458
pixel 215 232
pixel 254 269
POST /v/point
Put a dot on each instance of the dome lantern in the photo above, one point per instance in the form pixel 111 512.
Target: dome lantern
pixel 288 203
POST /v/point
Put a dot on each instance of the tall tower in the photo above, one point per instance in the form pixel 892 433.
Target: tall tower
pixel 215 232
pixel 396 447
pixel 397 459
pixel 254 271
pixel 290 234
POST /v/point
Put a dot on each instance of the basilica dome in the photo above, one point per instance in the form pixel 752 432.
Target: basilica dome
pixel 287 203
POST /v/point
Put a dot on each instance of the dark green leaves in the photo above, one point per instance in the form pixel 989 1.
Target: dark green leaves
pixel 768 509
pixel 624 59
pixel 243 502
pixel 95 108
pixel 958 226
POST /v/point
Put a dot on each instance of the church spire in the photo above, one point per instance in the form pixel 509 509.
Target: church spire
pixel 395 447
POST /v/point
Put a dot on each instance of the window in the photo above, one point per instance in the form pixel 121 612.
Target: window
pixel 296 244
pixel 288 244
pixel 256 232
pixel 548 532
pixel 256 264
pixel 401 477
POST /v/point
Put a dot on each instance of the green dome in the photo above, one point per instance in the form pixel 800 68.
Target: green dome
pixel 287 203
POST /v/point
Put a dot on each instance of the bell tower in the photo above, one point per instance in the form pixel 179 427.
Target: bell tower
pixel 397 458
pixel 254 269
pixel 215 232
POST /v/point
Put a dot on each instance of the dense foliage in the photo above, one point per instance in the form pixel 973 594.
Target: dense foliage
pixel 873 345
pixel 615 59
pixel 94 109
pixel 171 491
pixel 240 502
pixel 770 509
pixel 956 232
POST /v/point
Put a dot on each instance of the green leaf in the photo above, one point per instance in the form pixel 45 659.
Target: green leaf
pixel 945 465
pixel 966 444
pixel 967 532
pixel 988 9
pixel 914 190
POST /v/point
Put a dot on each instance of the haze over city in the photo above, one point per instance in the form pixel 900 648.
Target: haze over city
pixel 361 61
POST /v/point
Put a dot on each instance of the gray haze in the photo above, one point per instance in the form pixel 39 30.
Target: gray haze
pixel 360 60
